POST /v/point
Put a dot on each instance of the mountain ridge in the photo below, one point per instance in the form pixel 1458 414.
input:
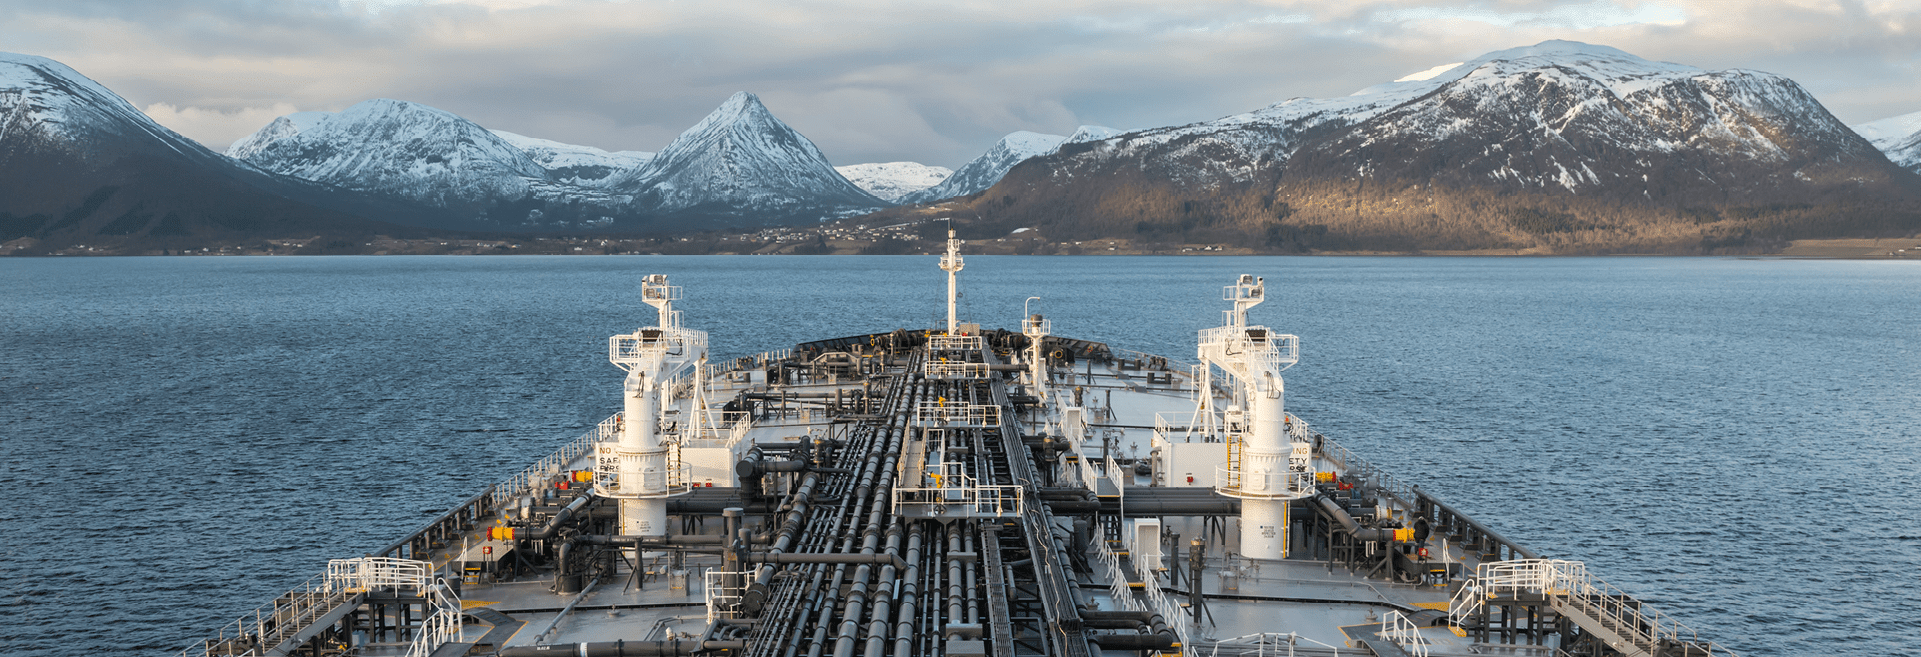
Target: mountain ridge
pixel 1560 147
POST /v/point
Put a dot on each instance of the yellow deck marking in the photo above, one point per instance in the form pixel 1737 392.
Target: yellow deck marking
pixel 1437 606
pixel 1457 631
pixel 470 604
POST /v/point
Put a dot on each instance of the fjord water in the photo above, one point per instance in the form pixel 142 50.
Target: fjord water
pixel 1734 440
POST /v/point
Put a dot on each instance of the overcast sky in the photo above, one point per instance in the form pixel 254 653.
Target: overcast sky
pixel 887 80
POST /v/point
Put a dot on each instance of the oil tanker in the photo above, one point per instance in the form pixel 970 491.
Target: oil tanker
pixel 955 492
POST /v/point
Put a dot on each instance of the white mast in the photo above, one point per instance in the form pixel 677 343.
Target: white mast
pixel 637 469
pixel 1265 469
pixel 951 263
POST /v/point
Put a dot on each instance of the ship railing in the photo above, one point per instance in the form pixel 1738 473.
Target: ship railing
pixel 1297 429
pixel 954 343
pixel 1352 464
pixel 1116 577
pixel 954 369
pixel 363 574
pixel 1283 645
pixel 1397 628
pixel 944 414
pixel 733 426
pixel 757 360
pixel 1157 600
pixel 1466 602
pixel 1154 361
pixel 535 475
pixel 1275 351
pixel 668 478
pixel 955 490
pixel 1089 477
pixel 671 344
pixel 1276 482
pixel 440 627
pixel 1169 426
pixel 680 387
pixel 271 623
pixel 724 592
pixel 1580 592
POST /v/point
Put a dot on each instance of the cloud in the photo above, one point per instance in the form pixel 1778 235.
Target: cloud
pixel 874 80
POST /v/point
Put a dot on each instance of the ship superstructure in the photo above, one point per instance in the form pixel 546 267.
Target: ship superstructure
pixel 955 492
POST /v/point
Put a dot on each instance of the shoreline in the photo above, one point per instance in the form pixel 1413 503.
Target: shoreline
pixel 1886 248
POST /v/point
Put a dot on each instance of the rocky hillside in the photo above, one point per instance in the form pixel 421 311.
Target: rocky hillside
pixel 1560 147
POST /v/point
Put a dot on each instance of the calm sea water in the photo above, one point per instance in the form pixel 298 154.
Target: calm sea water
pixel 1736 440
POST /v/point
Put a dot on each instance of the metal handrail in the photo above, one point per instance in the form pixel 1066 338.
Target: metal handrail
pixel 1294 484
pixel 1352 463
pixel 287 613
pixel 721 603
pixel 934 412
pixel 1173 365
pixel 1397 628
pixel 936 369
pixel 439 628
pixel 364 574
pixel 531 476
pixel 1570 582
pixel 1165 424
pixel 954 343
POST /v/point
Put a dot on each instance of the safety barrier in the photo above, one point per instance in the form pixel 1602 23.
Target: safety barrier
pixel 957 496
pixel 723 601
pixel 1275 483
pixel 1568 586
pixel 943 414
pixel 954 343
pixel 1352 464
pixel 365 574
pixel 1397 628
pixel 954 369
pixel 272 623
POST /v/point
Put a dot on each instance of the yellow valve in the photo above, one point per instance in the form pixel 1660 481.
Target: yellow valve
pixel 500 533
pixel 1324 477
pixel 1404 535
pixel 583 475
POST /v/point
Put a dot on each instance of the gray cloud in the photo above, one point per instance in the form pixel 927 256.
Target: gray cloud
pixel 882 81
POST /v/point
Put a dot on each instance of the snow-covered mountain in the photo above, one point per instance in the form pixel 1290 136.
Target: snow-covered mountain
pixel 395 148
pixel 984 171
pixel 741 165
pixel 892 180
pixel 1899 138
pixel 1589 137
pixel 572 163
pixel 78 162
pixel 1089 133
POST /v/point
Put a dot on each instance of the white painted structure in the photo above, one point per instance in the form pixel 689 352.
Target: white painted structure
pixel 951 263
pixel 1263 468
pixel 637 469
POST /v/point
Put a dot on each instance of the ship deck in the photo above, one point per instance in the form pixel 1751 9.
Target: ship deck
pixel 924 493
